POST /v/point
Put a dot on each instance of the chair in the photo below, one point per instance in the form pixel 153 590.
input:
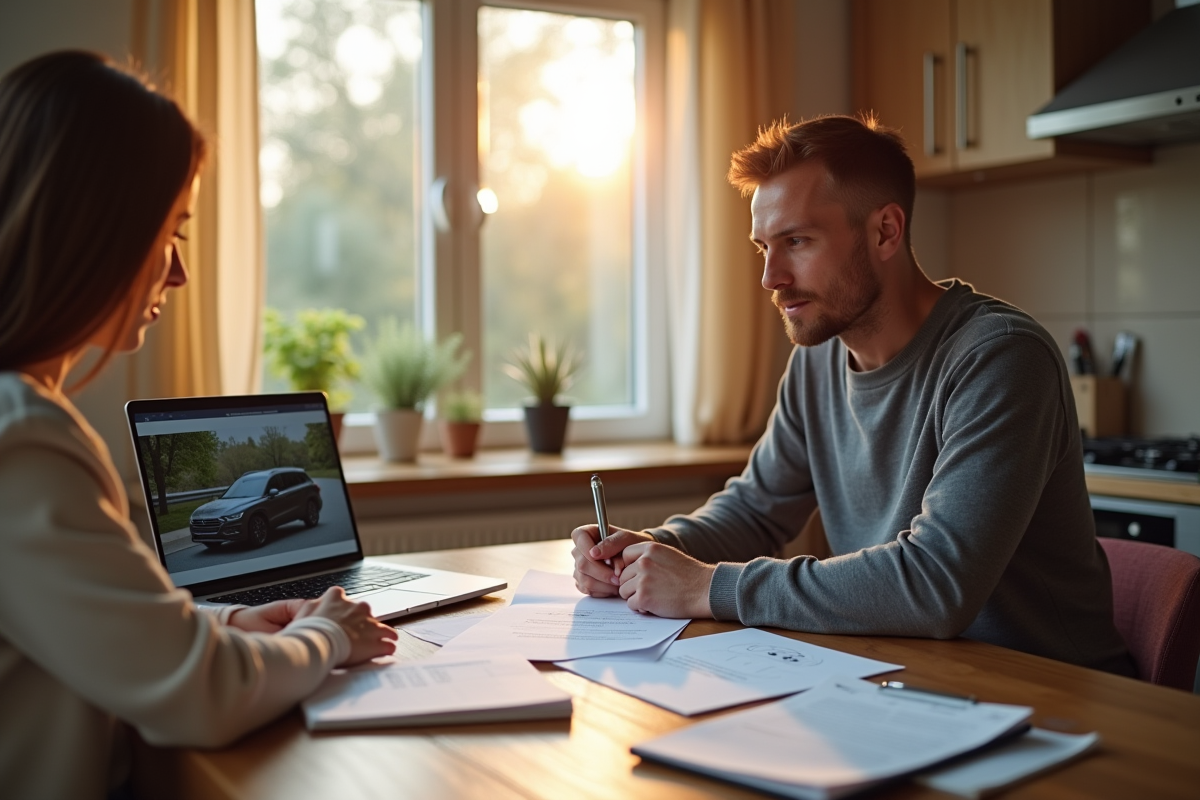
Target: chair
pixel 1156 606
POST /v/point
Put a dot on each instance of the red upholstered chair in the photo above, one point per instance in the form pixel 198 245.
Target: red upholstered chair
pixel 1156 605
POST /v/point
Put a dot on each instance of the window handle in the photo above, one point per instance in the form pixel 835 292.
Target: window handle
pixel 438 206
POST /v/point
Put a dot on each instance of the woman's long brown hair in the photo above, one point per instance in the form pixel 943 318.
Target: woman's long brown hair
pixel 92 159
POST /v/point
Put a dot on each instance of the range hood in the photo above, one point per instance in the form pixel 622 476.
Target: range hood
pixel 1146 92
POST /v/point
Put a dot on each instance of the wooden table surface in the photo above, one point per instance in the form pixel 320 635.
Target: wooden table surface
pixel 1150 736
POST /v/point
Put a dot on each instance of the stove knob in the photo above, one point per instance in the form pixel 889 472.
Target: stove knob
pixel 1135 529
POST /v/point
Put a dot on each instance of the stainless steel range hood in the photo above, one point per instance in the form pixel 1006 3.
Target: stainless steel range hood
pixel 1146 92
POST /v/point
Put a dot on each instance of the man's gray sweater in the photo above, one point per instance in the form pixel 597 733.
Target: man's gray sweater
pixel 950 482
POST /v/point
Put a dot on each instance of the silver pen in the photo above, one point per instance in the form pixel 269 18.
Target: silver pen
pixel 601 506
pixel 897 686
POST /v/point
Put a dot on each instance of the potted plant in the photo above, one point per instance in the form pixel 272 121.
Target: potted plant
pixel 545 370
pixel 461 418
pixel 404 369
pixel 313 353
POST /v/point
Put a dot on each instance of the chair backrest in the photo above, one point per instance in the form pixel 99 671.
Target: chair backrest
pixel 1156 606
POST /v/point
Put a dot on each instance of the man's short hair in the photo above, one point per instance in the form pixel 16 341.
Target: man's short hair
pixel 866 162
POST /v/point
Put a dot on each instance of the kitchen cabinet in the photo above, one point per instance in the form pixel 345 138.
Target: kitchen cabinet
pixel 959 77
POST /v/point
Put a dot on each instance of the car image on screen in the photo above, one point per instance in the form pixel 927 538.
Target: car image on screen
pixel 255 505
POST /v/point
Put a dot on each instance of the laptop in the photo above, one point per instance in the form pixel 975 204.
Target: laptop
pixel 249 504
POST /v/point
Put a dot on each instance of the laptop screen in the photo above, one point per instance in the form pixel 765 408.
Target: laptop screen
pixel 240 485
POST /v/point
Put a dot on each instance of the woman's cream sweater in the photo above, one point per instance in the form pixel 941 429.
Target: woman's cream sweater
pixel 92 631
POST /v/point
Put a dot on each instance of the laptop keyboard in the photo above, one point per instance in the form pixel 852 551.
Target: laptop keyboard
pixel 354 581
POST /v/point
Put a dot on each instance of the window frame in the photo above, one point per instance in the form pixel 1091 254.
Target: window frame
pixel 449 173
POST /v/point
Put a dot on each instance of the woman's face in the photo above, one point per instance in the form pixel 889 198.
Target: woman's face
pixel 162 271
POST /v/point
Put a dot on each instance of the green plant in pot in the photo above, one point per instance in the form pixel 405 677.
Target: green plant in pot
pixel 545 370
pixel 404 369
pixel 313 353
pixel 460 418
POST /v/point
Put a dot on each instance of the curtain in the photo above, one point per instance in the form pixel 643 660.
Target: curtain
pixel 730 70
pixel 203 53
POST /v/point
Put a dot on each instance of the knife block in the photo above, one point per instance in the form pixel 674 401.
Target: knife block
pixel 1100 404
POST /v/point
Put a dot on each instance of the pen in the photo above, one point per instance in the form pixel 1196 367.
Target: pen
pixel 601 507
pixel 897 686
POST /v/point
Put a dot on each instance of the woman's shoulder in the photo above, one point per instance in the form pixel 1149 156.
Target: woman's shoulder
pixel 33 417
pixel 23 402
pixel 29 411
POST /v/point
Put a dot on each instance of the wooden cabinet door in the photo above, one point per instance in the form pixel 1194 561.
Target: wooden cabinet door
pixel 893 43
pixel 1009 75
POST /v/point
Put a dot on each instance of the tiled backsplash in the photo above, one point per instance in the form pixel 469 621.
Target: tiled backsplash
pixel 1107 252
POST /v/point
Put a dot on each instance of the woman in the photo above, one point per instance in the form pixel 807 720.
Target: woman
pixel 98 174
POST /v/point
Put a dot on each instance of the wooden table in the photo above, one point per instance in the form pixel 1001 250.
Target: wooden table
pixel 1150 735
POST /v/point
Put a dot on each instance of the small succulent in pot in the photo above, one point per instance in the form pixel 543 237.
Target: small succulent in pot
pixel 545 369
pixel 404 369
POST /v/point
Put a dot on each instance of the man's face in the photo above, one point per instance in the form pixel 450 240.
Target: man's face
pixel 816 265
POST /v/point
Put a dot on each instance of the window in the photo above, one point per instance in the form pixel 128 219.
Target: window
pixel 482 168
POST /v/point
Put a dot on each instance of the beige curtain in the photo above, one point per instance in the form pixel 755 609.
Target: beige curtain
pixel 730 70
pixel 203 53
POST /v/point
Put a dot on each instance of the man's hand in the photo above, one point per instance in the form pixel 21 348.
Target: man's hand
pixel 271 618
pixel 660 580
pixel 593 575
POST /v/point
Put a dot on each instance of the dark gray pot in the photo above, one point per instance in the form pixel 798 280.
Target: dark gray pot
pixel 547 427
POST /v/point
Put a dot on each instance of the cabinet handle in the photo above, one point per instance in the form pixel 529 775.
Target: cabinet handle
pixel 961 117
pixel 930 109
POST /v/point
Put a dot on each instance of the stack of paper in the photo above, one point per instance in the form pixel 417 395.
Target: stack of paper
pixel 840 737
pixel 501 687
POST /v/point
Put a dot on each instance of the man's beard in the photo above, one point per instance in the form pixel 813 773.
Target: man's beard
pixel 847 305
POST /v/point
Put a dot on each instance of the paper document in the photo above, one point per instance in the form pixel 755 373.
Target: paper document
pixel 441 629
pixel 725 669
pixel 835 739
pixel 558 631
pixel 1031 754
pixel 503 687
pixel 549 620
pixel 546 587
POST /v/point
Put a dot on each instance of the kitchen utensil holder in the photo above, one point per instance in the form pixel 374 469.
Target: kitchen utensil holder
pixel 1100 404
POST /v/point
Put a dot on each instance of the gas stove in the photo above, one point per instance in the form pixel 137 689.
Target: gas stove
pixel 1175 460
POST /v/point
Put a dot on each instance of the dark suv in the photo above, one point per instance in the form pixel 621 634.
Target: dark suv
pixel 257 503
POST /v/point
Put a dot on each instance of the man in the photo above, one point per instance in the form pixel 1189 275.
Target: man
pixel 934 427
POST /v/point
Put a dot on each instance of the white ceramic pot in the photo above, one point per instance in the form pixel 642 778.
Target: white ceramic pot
pixel 396 433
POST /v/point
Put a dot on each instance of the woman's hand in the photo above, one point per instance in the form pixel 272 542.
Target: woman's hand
pixel 270 618
pixel 369 638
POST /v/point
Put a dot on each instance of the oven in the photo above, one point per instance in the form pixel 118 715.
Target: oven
pixel 1161 461
pixel 1172 524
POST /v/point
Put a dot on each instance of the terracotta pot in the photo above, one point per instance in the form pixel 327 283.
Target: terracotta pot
pixel 546 426
pixel 459 438
pixel 396 433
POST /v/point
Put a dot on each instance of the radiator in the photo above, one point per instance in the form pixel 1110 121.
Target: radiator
pixel 444 532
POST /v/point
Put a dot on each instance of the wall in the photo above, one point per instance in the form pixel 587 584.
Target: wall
pixel 1108 252
pixel 31 27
